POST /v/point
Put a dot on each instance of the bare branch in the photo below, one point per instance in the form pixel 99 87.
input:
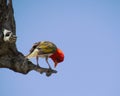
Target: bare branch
pixel 18 63
pixel 10 57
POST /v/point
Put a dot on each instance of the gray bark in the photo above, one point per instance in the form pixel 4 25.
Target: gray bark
pixel 10 57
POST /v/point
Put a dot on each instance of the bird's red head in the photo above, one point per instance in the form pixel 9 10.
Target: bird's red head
pixel 57 57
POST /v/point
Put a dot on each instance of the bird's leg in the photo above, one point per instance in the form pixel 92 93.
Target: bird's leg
pixel 37 61
pixel 48 63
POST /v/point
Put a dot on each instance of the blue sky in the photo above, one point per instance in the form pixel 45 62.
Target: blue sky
pixel 88 31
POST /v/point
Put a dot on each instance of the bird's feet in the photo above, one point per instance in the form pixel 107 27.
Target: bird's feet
pixel 38 65
pixel 50 68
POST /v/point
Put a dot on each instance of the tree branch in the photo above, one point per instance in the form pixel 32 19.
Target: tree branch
pixel 20 64
pixel 10 57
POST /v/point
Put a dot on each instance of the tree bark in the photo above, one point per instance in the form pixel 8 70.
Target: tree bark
pixel 10 57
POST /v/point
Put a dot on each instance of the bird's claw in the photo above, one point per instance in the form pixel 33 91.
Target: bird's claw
pixel 50 68
pixel 38 66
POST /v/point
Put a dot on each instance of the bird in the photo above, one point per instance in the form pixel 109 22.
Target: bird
pixel 46 49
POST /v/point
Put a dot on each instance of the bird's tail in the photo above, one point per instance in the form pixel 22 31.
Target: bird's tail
pixel 28 56
pixel 33 54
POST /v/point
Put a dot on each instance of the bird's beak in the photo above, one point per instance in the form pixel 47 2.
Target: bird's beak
pixel 55 64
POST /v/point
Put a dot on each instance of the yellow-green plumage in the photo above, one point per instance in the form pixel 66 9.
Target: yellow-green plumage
pixel 42 49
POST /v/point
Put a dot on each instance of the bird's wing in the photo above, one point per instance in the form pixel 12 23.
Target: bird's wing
pixel 46 47
pixel 33 51
pixel 34 47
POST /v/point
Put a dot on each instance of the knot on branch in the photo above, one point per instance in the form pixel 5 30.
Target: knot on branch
pixel 8 36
